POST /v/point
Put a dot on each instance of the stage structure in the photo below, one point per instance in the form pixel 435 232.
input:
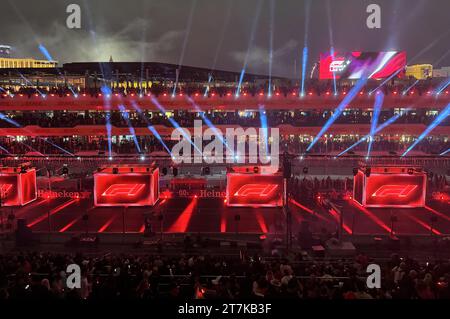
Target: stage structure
pixel 389 186
pixel 254 186
pixel 17 185
pixel 132 185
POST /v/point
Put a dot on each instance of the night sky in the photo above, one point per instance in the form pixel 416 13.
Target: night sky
pixel 223 34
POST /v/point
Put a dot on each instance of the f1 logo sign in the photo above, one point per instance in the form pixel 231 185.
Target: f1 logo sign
pixel 5 188
pixel 394 190
pixel 123 189
pixel 261 190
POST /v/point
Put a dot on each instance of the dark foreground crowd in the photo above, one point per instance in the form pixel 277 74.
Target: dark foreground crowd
pixel 37 276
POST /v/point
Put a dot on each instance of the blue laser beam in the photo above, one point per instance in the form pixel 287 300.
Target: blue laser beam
pixel 126 117
pixel 337 112
pixel 376 114
pixel 45 52
pixel 264 126
pixel 304 63
pixel 106 92
pixel 379 129
pixel 10 121
pixel 175 123
pixel 410 87
pixel 442 115
pixel 58 147
pixel 442 86
pixel 386 80
pixel 151 127
pixel 445 152
pixel 208 122
pixel 5 150
pixel 241 78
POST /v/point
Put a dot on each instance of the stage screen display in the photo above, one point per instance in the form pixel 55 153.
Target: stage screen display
pixel 18 189
pixel 9 188
pixel 390 189
pixel 395 190
pixel 352 65
pixel 126 189
pixel 254 190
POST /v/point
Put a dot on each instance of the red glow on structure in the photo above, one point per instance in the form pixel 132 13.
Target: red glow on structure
pixel 62 230
pixel 182 222
pixel 424 225
pixel 437 213
pixel 371 215
pixel 337 218
pixel 142 229
pixel 261 222
pixel 223 222
pixel 52 212
pixel 106 225
pixel 308 210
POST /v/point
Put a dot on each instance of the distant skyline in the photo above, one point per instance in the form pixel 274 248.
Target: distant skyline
pixel 225 34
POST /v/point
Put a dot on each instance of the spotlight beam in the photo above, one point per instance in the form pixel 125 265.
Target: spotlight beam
pixel 443 86
pixel 410 87
pixel 175 124
pixel 210 124
pixel 445 152
pixel 250 44
pixel 219 46
pixel 271 32
pixel 106 93
pixel 5 150
pixel 376 114
pixel 11 121
pixel 126 117
pixel 151 127
pixel 347 99
pixel 379 129
pixel 386 80
pixel 304 64
pixel 442 116
pixel 264 126
pixel 185 42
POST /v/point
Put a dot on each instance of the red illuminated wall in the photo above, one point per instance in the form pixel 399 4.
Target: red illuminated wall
pixel 126 189
pixel 254 190
pixel 18 189
pixel 391 190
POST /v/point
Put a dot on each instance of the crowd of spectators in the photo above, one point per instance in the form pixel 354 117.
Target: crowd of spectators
pixel 186 118
pixel 42 276
pixel 313 88
pixel 331 145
